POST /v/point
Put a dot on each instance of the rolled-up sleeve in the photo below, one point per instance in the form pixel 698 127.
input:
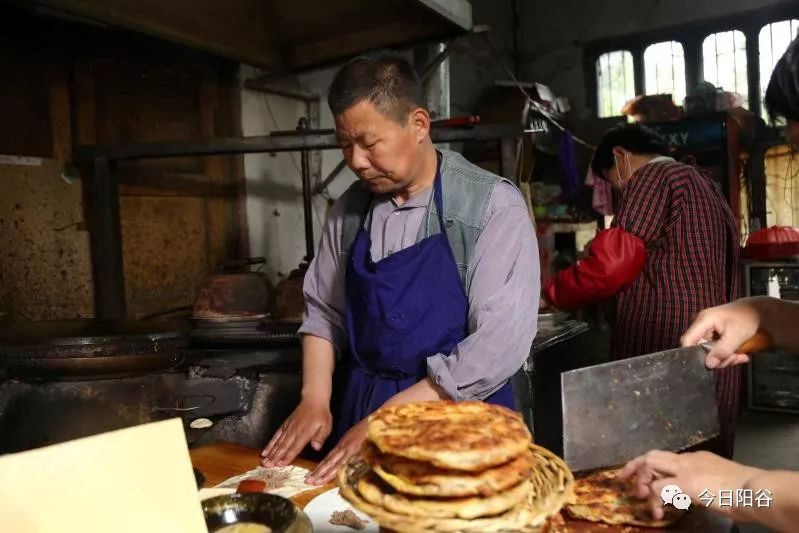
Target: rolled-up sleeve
pixel 323 288
pixel 503 304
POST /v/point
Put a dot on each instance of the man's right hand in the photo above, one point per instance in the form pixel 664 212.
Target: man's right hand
pixel 310 422
pixel 731 324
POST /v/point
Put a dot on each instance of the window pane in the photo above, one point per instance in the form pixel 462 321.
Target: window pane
pixel 615 82
pixel 665 70
pixel 774 40
pixel 724 57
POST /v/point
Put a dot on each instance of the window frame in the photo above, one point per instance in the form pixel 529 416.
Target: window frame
pixel 735 59
pixel 691 36
pixel 761 89
pixel 675 94
pixel 597 68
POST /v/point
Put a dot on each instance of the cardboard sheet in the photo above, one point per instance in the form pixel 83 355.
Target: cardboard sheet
pixel 128 481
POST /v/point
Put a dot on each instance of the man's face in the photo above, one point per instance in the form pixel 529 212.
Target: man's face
pixel 792 133
pixel 383 153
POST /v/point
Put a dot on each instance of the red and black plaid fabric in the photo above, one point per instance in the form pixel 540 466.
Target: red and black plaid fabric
pixel 692 252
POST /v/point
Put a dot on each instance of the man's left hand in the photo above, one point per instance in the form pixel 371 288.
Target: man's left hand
pixel 349 445
pixel 692 472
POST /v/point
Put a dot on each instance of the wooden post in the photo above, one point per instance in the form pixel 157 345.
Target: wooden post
pixel 105 240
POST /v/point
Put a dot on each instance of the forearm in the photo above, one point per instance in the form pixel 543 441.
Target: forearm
pixel 781 513
pixel 318 362
pixel 779 318
pixel 423 391
pixel 614 261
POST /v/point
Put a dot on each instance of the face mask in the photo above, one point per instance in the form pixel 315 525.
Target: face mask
pixel 622 180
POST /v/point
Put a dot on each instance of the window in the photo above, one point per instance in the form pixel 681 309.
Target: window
pixel 664 66
pixel 724 56
pixel 774 40
pixel 615 82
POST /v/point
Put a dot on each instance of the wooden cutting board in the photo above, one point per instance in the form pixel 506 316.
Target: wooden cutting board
pixel 223 460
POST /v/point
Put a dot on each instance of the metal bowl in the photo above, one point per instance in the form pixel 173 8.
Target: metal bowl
pixel 275 512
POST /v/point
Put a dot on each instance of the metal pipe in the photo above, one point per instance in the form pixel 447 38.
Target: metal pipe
pixel 435 63
pixel 307 207
pixel 330 177
pixel 277 142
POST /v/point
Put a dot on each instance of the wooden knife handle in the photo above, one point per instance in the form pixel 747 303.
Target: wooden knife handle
pixel 758 342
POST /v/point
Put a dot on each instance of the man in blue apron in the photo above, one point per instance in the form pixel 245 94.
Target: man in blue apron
pixel 426 282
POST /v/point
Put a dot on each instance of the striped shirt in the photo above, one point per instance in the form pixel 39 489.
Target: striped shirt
pixel 692 255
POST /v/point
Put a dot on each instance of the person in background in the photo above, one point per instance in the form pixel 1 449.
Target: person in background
pixel 671 251
pixel 782 94
pixel 426 282
pixel 733 324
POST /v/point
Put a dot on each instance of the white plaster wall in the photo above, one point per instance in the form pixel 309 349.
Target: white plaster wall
pixel 274 186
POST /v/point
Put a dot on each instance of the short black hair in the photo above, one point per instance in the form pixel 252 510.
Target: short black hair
pixel 782 94
pixel 385 79
pixel 636 138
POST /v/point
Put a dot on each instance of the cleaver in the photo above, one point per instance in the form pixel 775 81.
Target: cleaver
pixel 614 412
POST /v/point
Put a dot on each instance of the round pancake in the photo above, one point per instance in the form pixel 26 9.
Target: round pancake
pixel 424 479
pixel 529 516
pixel 376 492
pixel 469 436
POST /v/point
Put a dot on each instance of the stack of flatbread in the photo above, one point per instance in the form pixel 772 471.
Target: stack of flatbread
pixel 447 466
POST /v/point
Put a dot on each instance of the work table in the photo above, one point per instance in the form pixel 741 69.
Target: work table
pixel 222 460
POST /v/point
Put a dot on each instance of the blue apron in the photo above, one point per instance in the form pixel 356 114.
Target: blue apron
pixel 400 310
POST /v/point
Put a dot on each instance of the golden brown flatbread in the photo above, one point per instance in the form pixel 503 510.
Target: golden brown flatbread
pixel 517 519
pixel 551 486
pixel 375 491
pixel 602 497
pixel 468 436
pixel 418 478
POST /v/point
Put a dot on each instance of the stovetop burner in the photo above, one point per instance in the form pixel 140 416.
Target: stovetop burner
pixel 263 333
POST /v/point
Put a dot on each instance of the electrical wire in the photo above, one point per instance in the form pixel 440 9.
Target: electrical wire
pixel 538 107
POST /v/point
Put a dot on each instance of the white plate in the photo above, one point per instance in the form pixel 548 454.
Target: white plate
pixel 320 508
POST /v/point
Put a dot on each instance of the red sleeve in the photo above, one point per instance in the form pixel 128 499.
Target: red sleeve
pixel 614 260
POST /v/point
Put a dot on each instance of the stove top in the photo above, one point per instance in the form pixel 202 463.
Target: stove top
pixel 247 335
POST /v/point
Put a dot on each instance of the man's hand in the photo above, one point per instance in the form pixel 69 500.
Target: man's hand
pixel 692 472
pixel 310 422
pixel 349 445
pixel 733 324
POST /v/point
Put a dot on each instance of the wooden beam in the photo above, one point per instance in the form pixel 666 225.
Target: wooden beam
pixel 62 123
pixel 397 32
pixel 243 30
pixel 105 241
pixel 455 11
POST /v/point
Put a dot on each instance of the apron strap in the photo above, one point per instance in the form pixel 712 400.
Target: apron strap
pixel 438 198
